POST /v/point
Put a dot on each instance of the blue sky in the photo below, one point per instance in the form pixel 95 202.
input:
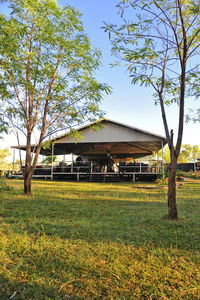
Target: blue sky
pixel 130 104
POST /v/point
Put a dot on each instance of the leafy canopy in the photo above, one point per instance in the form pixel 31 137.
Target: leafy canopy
pixel 188 153
pixel 151 40
pixel 46 67
pixel 159 42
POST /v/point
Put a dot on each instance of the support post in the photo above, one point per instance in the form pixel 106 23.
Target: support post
pixel 72 164
pixel 52 154
pixel 133 177
pixel 140 167
pixel 163 167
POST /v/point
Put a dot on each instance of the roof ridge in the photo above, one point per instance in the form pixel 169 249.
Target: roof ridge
pixel 112 121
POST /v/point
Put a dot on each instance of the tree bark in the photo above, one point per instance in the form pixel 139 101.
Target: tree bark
pixel 28 168
pixel 27 182
pixel 31 165
pixel 172 207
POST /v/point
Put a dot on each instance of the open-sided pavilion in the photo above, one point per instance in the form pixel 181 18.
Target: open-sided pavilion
pixel 104 149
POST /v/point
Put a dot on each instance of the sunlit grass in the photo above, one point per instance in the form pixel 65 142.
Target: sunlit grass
pixel 98 241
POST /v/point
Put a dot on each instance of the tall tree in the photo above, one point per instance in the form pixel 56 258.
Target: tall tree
pixel 159 42
pixel 46 71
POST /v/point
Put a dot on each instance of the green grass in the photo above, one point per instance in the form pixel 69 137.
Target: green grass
pixel 194 175
pixel 98 241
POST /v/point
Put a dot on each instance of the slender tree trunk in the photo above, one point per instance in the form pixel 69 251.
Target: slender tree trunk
pixel 29 171
pixel 31 165
pixel 27 182
pixel 172 208
pixel 28 168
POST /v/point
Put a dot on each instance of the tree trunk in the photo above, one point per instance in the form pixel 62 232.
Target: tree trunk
pixel 172 208
pixel 27 181
pixel 28 168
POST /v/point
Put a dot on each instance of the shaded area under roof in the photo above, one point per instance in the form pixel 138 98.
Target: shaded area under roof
pixel 106 137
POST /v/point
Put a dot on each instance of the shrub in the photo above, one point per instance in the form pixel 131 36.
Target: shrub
pixel 4 186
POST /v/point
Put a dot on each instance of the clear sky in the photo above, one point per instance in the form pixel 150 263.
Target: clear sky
pixel 130 104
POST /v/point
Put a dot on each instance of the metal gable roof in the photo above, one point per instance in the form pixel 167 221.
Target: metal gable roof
pixel 121 138
pixel 105 120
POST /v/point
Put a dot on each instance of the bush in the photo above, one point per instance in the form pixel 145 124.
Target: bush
pixel 4 186
pixel 179 178
pixel 188 174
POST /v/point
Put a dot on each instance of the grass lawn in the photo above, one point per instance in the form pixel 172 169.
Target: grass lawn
pixel 98 241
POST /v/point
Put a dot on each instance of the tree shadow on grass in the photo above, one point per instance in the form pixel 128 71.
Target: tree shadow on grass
pixel 91 219
pixel 57 247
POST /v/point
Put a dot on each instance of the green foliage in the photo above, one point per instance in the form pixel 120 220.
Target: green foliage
pixel 150 41
pixel 179 178
pixel 194 175
pixel 193 115
pixel 159 42
pixel 4 164
pixel 98 241
pixel 75 134
pixel 188 153
pixel 47 66
pixel 3 124
pixel 47 144
pixel 166 154
pixel 48 160
pixel 4 153
pixel 4 186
